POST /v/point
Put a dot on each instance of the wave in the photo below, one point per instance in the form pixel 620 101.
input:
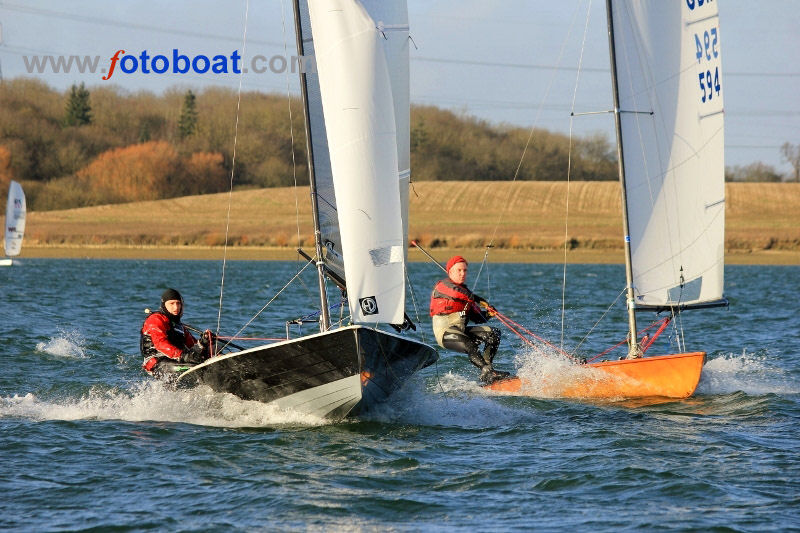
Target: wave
pixel 450 400
pixel 154 401
pixel 68 344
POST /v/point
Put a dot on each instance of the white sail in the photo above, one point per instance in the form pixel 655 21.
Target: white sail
pixel 318 135
pixel 15 219
pixel 392 19
pixel 358 106
pixel 669 73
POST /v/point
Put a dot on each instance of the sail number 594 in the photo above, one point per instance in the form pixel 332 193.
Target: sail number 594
pixel 708 47
pixel 709 84
pixel 707 51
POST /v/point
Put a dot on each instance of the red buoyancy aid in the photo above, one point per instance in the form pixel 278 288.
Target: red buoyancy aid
pixel 448 297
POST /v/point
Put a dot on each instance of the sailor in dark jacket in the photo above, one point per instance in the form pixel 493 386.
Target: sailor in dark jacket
pixel 453 305
pixel 164 340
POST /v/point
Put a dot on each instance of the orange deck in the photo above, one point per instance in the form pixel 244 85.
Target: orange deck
pixel 670 376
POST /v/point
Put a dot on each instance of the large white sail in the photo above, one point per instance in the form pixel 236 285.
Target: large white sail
pixel 318 135
pixel 392 19
pixel 669 74
pixel 15 219
pixel 350 48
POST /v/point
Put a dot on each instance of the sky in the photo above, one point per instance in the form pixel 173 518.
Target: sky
pixel 505 61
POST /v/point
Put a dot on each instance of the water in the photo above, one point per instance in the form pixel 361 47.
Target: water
pixel 89 443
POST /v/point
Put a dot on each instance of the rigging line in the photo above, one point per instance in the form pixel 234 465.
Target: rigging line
pixel 623 341
pixel 291 126
pixel 681 338
pixel 677 324
pixel 480 269
pixel 550 83
pixel 291 133
pixel 105 22
pixel 569 174
pixel 414 302
pixel 575 350
pixel 508 323
pixel 238 333
pixel 233 168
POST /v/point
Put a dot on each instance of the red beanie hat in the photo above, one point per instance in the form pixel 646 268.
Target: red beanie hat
pixel 453 260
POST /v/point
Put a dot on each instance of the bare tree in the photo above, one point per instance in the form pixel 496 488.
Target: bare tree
pixel 791 153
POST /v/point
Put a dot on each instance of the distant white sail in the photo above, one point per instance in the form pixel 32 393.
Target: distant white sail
pixel 15 219
pixel 359 110
pixel 668 59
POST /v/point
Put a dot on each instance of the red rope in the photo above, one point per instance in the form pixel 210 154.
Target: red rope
pixel 601 354
pixel 645 345
pixel 251 338
pixel 507 322
pixel 509 326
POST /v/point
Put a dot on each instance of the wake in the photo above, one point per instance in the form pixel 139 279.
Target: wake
pixel 153 401
pixel 751 373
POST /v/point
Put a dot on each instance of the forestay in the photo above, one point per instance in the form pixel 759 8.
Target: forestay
pixel 669 72
pixel 361 56
pixel 15 219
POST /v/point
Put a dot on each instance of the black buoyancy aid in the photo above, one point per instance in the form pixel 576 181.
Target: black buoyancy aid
pixel 448 297
pixel 175 334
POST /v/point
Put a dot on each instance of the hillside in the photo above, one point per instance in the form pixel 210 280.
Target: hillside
pixel 149 147
pixel 521 216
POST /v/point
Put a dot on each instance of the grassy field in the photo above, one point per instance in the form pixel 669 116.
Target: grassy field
pixel 525 221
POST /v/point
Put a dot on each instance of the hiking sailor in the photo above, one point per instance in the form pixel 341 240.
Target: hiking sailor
pixel 453 305
pixel 164 341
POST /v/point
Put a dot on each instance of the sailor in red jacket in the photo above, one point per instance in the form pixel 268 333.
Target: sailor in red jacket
pixel 453 305
pixel 165 341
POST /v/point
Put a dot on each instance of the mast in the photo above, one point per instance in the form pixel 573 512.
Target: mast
pixel 324 324
pixel 633 344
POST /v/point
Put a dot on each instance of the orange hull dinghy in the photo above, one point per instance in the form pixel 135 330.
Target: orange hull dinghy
pixel 669 376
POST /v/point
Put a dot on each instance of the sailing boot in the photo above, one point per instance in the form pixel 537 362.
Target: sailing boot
pixel 490 375
pixel 487 375
pixel 500 374
pixel 475 357
pixel 492 343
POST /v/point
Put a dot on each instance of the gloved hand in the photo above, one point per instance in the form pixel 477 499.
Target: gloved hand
pixel 486 308
pixel 193 355
pixel 207 338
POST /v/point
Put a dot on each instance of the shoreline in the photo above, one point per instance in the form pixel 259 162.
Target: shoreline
pixel 253 253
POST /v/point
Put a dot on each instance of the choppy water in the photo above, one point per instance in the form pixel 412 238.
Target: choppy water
pixel 88 443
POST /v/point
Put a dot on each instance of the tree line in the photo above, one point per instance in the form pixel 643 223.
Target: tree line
pixel 82 147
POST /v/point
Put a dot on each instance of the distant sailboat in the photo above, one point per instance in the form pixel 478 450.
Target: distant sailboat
pixel 15 222
pixel 357 127
pixel 667 87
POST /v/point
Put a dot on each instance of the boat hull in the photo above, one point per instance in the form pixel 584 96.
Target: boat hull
pixel 669 376
pixel 331 374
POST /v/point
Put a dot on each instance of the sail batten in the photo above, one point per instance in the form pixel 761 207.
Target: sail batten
pixel 668 61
